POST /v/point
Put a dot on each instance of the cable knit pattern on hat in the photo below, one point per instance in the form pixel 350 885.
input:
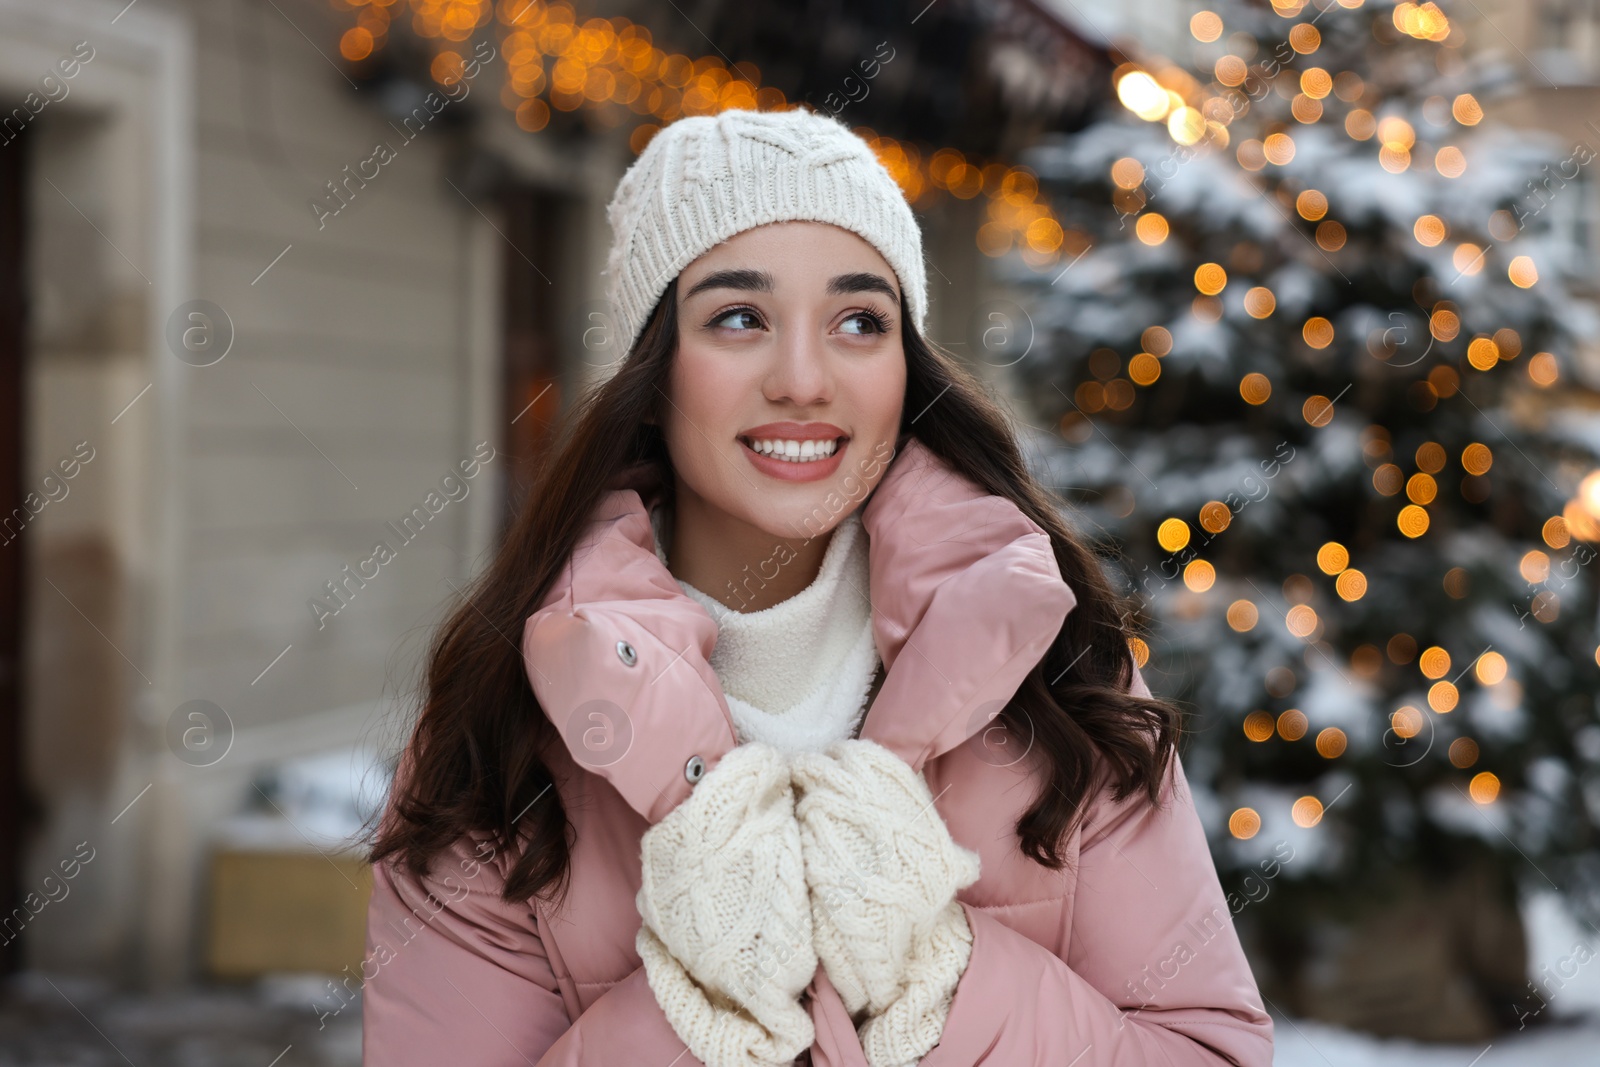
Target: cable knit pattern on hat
pixel 705 178
pixel 726 939
pixel 883 872
pixel 796 674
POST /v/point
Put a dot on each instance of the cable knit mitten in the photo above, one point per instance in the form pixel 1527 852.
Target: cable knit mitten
pixel 726 938
pixel 883 873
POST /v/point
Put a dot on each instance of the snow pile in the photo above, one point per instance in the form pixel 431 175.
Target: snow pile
pixel 315 802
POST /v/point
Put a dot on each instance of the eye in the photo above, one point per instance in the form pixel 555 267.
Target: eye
pixel 737 319
pixel 866 322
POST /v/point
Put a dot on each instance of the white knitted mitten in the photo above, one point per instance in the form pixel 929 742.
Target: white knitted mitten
pixel 726 938
pixel 883 873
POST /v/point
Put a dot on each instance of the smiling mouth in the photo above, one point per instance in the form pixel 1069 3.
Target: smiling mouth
pixel 795 451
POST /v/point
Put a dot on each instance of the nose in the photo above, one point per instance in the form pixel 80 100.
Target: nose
pixel 800 372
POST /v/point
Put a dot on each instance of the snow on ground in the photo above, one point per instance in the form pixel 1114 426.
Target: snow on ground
pixel 1302 1043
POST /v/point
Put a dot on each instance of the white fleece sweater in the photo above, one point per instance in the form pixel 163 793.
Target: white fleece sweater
pixel 797 674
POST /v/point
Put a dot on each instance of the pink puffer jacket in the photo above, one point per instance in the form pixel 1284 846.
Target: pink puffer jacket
pixel 1127 956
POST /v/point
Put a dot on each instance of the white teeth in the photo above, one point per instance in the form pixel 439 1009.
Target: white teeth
pixel 795 451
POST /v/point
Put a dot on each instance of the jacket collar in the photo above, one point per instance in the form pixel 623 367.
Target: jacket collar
pixel 966 596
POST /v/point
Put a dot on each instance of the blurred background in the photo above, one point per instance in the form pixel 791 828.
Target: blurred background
pixel 1294 303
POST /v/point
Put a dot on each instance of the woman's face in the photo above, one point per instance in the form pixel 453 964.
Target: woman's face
pixel 788 340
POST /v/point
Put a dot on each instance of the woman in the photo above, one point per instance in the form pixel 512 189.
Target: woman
pixel 791 721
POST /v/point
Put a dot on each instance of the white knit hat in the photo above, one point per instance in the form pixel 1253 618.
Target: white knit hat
pixel 703 179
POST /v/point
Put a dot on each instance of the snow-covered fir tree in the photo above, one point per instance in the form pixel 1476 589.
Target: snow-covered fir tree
pixel 1301 330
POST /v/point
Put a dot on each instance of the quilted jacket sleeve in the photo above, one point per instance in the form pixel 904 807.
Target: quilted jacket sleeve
pixel 617 651
pixel 458 976
pixel 1154 974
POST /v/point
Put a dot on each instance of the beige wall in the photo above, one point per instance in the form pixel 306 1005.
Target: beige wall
pixel 364 368
pixel 108 175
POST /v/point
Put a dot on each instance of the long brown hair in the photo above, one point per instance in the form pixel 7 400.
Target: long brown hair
pixel 473 756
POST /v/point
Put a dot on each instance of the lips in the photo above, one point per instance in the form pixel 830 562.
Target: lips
pixel 792 431
pixel 795 468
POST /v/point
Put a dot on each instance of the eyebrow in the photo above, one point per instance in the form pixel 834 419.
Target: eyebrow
pixel 760 281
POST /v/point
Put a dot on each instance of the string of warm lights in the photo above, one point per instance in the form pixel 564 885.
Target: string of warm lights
pixel 613 67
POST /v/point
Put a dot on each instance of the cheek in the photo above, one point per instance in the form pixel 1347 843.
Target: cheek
pixel 702 398
pixel 881 396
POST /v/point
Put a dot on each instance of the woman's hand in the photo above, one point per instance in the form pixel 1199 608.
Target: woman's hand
pixel 883 872
pixel 726 938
